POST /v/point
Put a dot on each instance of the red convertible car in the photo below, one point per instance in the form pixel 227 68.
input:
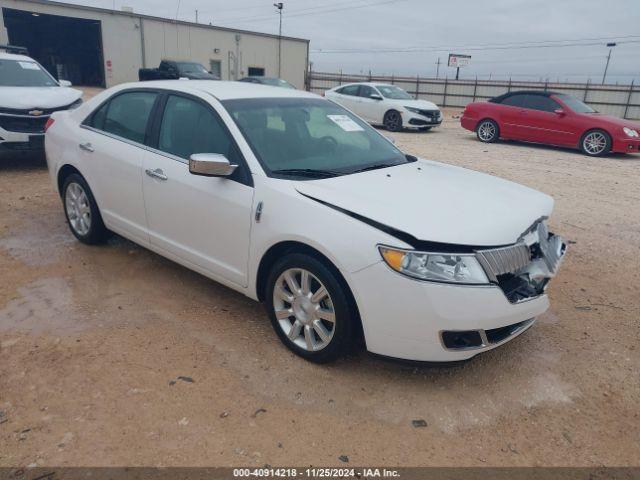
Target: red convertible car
pixel 550 118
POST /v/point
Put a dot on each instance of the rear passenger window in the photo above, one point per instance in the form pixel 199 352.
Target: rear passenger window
pixel 190 127
pixel 126 115
pixel 350 90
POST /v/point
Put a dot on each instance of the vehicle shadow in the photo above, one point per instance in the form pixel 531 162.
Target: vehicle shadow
pixel 540 146
pixel 22 161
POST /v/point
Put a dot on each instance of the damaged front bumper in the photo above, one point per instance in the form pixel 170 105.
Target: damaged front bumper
pixel 523 270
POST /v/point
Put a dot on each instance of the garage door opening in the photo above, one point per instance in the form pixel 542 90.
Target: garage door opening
pixel 69 48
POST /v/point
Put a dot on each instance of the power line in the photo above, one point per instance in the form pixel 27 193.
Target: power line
pixel 313 11
pixel 507 46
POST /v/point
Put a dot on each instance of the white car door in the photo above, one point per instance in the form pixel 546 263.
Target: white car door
pixel 111 148
pixel 348 98
pixel 204 222
pixel 371 109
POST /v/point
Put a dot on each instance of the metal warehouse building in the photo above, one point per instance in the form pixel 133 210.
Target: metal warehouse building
pixel 100 47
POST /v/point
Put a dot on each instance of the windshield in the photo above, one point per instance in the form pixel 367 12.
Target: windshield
pixel 191 67
pixel 309 134
pixel 24 73
pixel 574 104
pixel 393 92
pixel 276 82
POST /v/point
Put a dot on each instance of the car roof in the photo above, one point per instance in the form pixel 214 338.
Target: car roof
pixel 541 93
pixel 370 84
pixel 223 90
pixel 13 56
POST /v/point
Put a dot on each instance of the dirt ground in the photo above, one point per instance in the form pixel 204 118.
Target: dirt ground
pixel 94 342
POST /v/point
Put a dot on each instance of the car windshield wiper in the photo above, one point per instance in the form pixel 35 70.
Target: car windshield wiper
pixel 308 172
pixel 375 167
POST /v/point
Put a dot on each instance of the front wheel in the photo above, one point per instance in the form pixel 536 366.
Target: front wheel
pixel 595 143
pixel 488 131
pixel 393 121
pixel 308 308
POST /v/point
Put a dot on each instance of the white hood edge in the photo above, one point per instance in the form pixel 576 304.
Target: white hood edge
pixel 22 98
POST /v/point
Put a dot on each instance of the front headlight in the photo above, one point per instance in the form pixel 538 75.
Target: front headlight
pixel 630 132
pixel 413 110
pixel 436 267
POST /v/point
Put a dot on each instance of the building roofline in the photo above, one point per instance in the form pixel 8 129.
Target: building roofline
pixel 160 19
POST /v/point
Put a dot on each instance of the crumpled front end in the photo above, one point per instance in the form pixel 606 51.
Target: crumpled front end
pixel 523 270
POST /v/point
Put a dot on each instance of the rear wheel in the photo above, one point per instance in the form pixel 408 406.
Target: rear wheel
pixel 308 308
pixel 595 143
pixel 393 121
pixel 488 131
pixel 82 212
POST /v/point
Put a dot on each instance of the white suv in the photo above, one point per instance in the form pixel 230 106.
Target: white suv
pixel 388 105
pixel 28 96
pixel 293 200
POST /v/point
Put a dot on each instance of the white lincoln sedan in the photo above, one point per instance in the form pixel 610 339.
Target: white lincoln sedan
pixel 293 201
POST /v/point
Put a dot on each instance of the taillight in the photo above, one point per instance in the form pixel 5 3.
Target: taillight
pixel 48 124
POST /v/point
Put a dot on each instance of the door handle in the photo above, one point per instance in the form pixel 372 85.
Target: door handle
pixel 87 147
pixel 157 173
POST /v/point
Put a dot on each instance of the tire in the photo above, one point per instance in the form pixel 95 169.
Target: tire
pixel 393 121
pixel 595 143
pixel 488 131
pixel 81 211
pixel 302 331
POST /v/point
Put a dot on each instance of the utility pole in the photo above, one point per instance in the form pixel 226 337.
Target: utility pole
pixel 606 67
pixel 279 6
pixel 196 15
pixel 438 67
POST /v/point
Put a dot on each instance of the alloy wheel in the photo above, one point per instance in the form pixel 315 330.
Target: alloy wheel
pixel 78 209
pixel 487 131
pixel 594 143
pixel 393 121
pixel 304 309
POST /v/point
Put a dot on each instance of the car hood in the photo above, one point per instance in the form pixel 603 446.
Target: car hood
pixel 435 202
pixel 421 104
pixel 21 98
pixel 611 120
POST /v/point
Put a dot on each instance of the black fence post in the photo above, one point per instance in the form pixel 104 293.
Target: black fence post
pixel 475 88
pixel 392 79
pixel 546 85
pixel 417 86
pixel 444 98
pixel 370 75
pixel 626 107
pixel 509 86
pixel 586 91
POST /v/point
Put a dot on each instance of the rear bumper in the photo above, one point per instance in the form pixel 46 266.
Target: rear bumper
pixel 468 123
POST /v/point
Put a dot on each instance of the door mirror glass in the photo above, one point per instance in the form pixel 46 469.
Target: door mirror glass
pixel 64 83
pixel 559 111
pixel 210 165
pixel 375 96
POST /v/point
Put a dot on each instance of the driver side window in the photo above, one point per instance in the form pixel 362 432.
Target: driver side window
pixel 190 127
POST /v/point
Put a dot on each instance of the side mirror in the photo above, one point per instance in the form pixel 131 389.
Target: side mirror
pixel 210 165
pixel 375 96
pixel 559 111
pixel 64 83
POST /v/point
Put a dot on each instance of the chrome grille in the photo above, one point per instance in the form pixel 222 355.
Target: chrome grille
pixel 498 261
